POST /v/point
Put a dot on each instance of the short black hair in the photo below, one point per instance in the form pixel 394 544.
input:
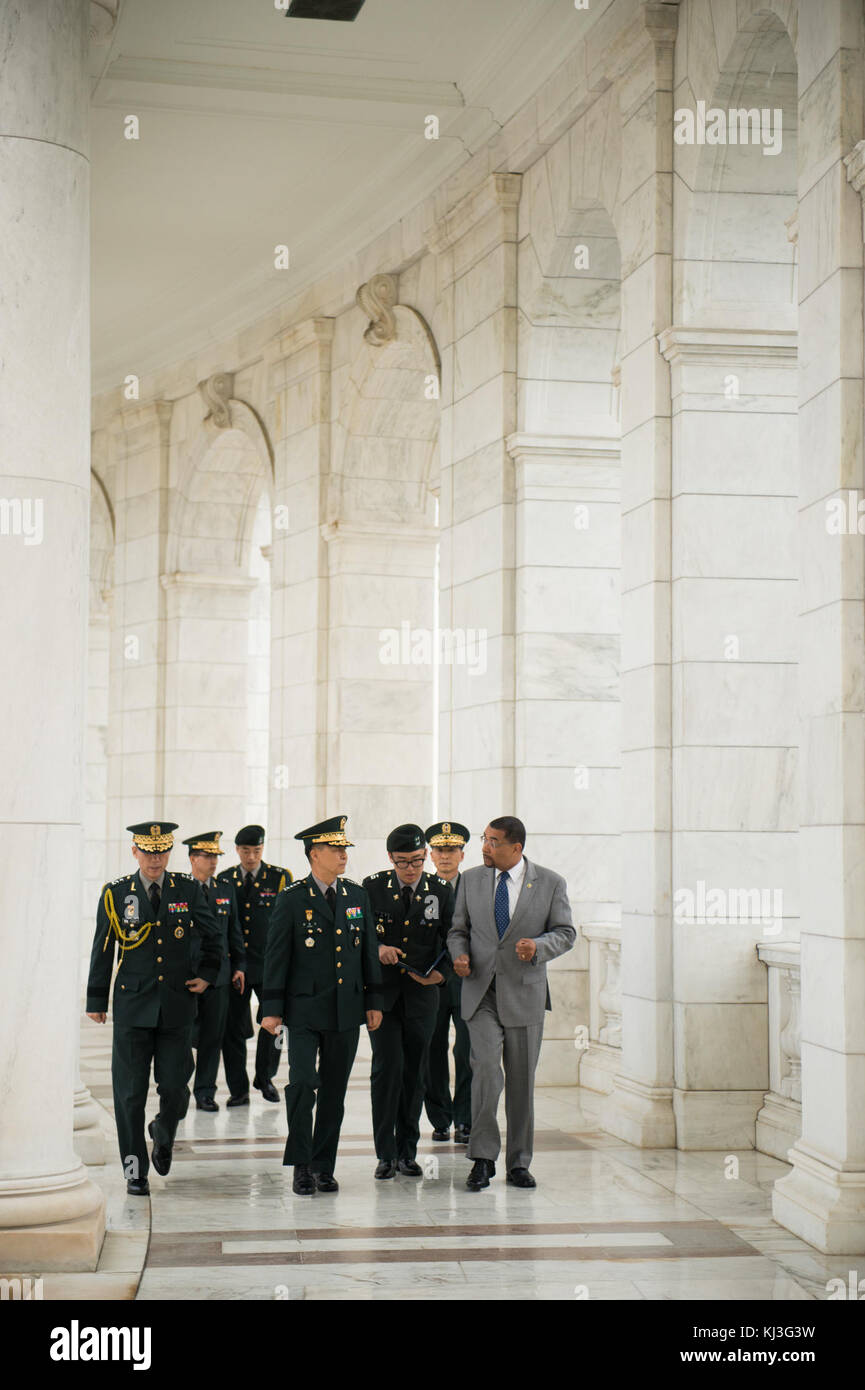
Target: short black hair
pixel 514 830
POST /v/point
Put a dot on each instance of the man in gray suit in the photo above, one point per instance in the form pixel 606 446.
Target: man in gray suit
pixel 511 917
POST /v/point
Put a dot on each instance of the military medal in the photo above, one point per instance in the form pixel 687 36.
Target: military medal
pixel 310 941
pixel 178 932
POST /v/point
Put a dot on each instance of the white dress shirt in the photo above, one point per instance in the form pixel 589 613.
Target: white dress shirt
pixel 515 883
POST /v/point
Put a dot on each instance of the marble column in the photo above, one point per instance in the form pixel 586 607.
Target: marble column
pixel 567 632
pixel 640 1107
pixel 823 1198
pixel 735 733
pixel 476 247
pixel 51 1215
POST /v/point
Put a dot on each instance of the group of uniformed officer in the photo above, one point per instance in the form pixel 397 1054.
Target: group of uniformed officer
pixel 322 954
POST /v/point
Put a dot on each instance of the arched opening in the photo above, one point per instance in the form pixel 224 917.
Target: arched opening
pixel 381 531
pixel 566 456
pixel 217 678
pixel 735 604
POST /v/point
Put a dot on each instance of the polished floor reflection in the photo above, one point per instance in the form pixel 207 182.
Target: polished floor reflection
pixel 607 1221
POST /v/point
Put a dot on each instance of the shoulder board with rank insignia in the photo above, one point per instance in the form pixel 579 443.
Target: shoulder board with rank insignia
pixel 296 884
pixel 346 879
pixel 442 881
pixel 122 879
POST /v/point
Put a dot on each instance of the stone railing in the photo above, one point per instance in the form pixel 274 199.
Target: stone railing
pixel 779 1122
pixel 602 1058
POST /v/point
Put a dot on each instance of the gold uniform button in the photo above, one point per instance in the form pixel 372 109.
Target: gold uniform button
pixel 340 980
pixel 405 923
pixel 159 940
pixel 405 938
pixel 339 931
pixel 339 948
pixel 160 977
pixel 158 960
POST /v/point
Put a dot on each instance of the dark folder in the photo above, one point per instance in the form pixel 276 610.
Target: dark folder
pixel 407 963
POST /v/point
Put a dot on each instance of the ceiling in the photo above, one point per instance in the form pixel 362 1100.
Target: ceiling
pixel 256 130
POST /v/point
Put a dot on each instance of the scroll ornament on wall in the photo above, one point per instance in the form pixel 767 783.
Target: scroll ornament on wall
pixel 377 298
pixel 216 393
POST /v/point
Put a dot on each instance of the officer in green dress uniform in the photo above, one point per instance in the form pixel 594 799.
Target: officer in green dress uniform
pixel 413 912
pixel 149 916
pixel 447 841
pixel 256 885
pixel 322 977
pixel 213 1004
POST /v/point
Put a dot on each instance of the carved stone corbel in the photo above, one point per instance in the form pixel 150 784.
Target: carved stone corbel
pixel 377 298
pixel 216 393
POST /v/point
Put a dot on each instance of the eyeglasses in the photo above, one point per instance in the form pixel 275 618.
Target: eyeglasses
pixel 416 863
pixel 495 843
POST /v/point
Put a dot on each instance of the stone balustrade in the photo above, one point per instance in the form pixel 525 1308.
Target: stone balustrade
pixel 779 1122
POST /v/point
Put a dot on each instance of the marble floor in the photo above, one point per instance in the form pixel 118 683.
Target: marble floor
pixel 607 1221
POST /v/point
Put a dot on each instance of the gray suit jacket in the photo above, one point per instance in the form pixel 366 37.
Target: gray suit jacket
pixel 542 912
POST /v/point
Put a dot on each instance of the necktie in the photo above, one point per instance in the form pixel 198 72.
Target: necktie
pixel 247 883
pixel 406 897
pixel 501 909
pixel 155 897
pixel 331 898
pixel 206 892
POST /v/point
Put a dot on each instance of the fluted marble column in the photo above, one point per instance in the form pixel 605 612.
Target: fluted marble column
pixel 51 1215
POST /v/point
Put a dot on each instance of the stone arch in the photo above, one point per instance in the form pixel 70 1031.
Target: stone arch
pixel 737 262
pixel 384 465
pixel 217 605
pixel 101 545
pixel 568 543
pixel 220 482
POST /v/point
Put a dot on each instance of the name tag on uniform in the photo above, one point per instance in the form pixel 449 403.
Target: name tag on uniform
pixel 431 907
pixel 178 907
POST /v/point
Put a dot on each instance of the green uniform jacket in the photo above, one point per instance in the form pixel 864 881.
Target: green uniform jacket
pixel 421 933
pixel 222 900
pixel 152 977
pixel 255 915
pixel 321 969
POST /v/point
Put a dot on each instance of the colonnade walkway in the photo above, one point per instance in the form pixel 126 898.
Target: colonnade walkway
pixel 607 1220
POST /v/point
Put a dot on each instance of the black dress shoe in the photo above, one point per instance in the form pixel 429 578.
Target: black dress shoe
pixel 138 1187
pixel 461 1134
pixel 326 1182
pixel 441 1136
pixel 409 1168
pixel 237 1100
pixel 385 1169
pixel 303 1182
pixel 161 1155
pixel 268 1090
pixel 521 1177
pixel 482 1170
pixel 206 1103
